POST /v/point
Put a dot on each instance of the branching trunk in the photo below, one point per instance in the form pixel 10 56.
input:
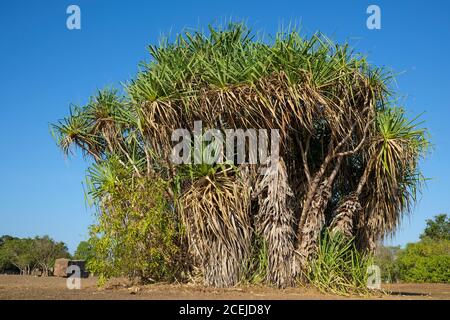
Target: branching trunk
pixel 315 218
pixel 312 218
pixel 344 214
pixel 350 209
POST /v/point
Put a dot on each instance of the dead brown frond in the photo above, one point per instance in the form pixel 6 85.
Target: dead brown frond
pixel 274 222
pixel 216 214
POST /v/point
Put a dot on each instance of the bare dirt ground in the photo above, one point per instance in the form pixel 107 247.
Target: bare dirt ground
pixel 53 288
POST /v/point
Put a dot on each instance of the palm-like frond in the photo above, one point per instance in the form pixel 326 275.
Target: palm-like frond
pixel 394 175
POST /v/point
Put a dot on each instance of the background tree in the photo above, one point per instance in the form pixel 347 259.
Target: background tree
pixel 5 263
pixel 84 251
pixel 19 253
pixel 5 238
pixel 429 259
pixel 437 228
pixel 425 261
pixel 45 251
pixel 28 254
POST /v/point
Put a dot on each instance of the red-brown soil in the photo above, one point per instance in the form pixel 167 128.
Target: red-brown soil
pixel 53 288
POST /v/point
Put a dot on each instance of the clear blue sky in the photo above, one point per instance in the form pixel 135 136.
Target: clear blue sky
pixel 44 67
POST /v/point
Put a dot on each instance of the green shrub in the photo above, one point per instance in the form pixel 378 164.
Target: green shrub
pixel 258 265
pixel 425 261
pixel 137 234
pixel 339 267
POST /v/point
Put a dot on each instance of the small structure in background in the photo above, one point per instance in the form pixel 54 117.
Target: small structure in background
pixel 62 265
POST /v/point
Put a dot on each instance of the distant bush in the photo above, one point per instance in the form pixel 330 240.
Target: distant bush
pixel 425 261
pixel 386 259
pixel 85 252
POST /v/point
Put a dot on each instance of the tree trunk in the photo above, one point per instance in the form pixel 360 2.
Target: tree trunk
pixel 314 219
pixel 350 209
pixel 344 215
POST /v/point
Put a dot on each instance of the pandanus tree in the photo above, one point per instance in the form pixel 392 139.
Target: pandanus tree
pixel 348 158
